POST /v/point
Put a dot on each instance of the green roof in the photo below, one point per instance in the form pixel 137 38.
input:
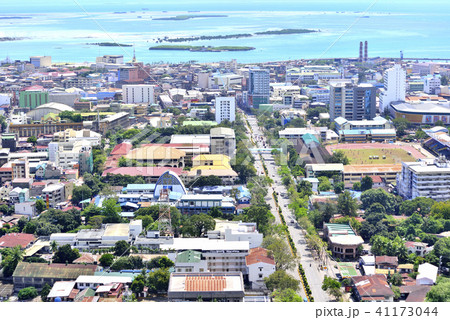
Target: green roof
pixel 205 123
pixel 8 137
pixel 54 271
pixel 334 228
pixel 189 256
pixel 309 138
pixel 347 269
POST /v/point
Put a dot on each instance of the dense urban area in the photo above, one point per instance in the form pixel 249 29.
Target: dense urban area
pixel 295 181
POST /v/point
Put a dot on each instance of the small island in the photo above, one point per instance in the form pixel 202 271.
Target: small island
pixel 109 44
pixel 202 48
pixel 285 31
pixel 3 39
pixel 191 16
pixel 238 35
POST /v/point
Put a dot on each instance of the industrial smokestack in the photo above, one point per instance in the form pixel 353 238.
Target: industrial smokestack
pixel 365 51
pixel 360 51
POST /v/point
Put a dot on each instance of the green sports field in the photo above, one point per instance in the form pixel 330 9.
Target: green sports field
pixel 369 156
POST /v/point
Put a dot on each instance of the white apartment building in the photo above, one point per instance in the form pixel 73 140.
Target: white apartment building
pixel 80 153
pixel 394 86
pixel 431 83
pixel 237 231
pixel 221 255
pixel 259 266
pixel 41 61
pixel 141 93
pixel 225 109
pixel 70 135
pixel 55 194
pixel 428 178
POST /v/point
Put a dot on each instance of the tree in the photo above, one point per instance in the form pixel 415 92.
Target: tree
pixel 280 280
pixel 138 284
pixel 45 291
pixel 338 187
pixel 158 281
pixel 387 200
pixel 442 249
pixel 27 293
pixel 198 225
pixel 81 193
pixel 32 140
pixel 279 250
pixel 287 295
pixel 357 186
pixel 110 210
pixel 366 183
pixel 11 259
pixel 160 262
pixel 401 124
pixel 441 210
pixel 324 184
pixel 439 292
pixel 347 205
pixel 339 157
pixel 332 286
pixel 65 254
pixel 121 248
pixel 40 206
pixel 395 279
pixel 259 214
pixel 106 260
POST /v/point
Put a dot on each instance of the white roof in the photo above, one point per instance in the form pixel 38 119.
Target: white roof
pixel 368 260
pixel 191 138
pixel 61 289
pixel 53 187
pixel 347 240
pixel 205 244
pixel 326 166
pixel 368 270
pixel 427 271
pixel 104 279
pixel 197 197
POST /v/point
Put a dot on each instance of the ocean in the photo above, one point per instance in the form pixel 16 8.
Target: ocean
pixel 66 31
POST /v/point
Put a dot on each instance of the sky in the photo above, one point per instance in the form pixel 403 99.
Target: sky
pixel 39 6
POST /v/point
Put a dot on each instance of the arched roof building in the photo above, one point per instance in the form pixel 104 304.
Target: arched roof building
pixel 171 181
pixel 52 107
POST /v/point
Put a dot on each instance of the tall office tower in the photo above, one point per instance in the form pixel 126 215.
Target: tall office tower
pixel 365 52
pixel 258 87
pixel 141 93
pixel 364 101
pixel 225 109
pixel 352 102
pixel 360 51
pixel 394 87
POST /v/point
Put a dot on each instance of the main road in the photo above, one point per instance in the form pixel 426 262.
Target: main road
pixel 313 272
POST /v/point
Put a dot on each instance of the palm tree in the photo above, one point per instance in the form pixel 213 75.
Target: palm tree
pixel 53 246
pixel 16 255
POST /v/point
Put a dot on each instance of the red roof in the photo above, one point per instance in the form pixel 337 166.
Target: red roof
pixel 205 283
pixel 34 88
pixel 122 148
pixel 12 240
pixel 386 260
pixel 141 171
pixel 176 145
pixel 6 169
pixel 38 184
pixel 258 255
pixel 376 179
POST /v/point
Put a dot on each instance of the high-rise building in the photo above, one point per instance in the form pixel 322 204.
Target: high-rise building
pixel 142 93
pixel 431 83
pixel 41 61
pixel 20 169
pixel 428 178
pixel 258 87
pixel 352 102
pixel 225 109
pixel 394 86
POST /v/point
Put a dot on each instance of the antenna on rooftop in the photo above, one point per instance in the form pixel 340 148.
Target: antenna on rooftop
pixel 164 219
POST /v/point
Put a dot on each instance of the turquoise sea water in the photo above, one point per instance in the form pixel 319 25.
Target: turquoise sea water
pixel 62 30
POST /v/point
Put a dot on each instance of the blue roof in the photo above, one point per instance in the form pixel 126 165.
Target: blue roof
pixel 345 132
pixel 150 186
pixel 175 195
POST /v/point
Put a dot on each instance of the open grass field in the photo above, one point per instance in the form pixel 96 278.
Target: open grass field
pixel 377 156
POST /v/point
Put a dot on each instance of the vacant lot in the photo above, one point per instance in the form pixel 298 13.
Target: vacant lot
pixel 377 156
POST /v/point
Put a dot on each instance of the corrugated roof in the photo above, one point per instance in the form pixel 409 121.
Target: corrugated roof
pixel 189 256
pixel 205 283
pixel 55 270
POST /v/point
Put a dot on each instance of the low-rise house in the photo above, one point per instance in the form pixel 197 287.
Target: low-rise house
pixel 63 291
pixel 427 274
pixel 27 208
pixel 386 262
pixel 372 288
pixel 414 293
pixel 11 240
pixel 418 248
pixel 209 286
pixel 94 281
pixel 259 266
pixel 19 195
